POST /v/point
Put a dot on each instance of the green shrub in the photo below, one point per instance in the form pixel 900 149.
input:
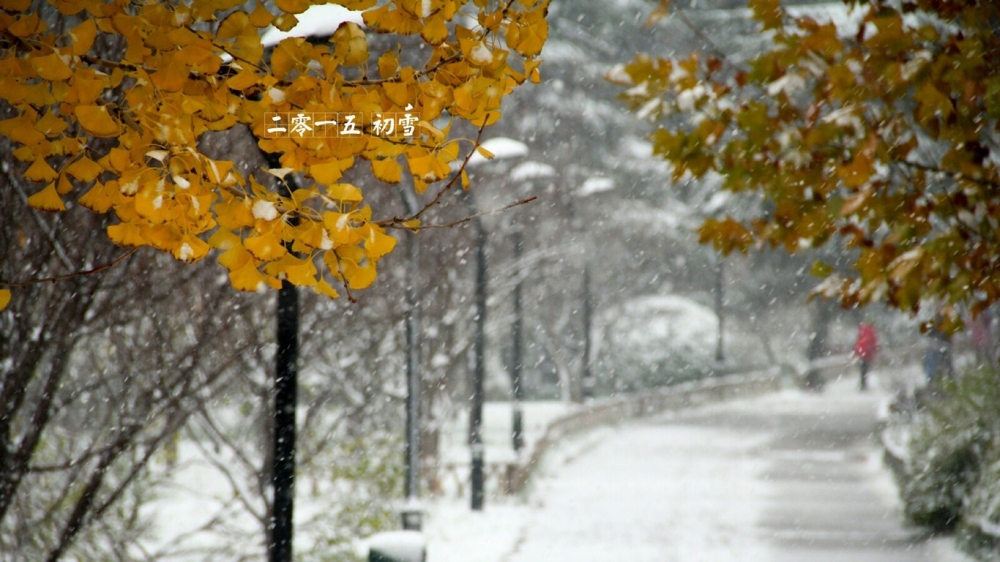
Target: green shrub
pixel 979 531
pixel 951 442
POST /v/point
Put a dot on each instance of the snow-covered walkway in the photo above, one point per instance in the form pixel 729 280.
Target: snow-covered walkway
pixel 790 476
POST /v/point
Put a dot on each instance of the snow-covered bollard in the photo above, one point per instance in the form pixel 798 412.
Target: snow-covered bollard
pixel 397 546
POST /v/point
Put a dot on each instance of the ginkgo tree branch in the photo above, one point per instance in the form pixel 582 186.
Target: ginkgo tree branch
pixel 469 218
pixel 49 234
pixel 993 183
pixel 396 221
pixel 65 276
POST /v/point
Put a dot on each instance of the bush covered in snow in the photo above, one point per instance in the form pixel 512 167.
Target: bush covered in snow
pixel 659 340
pixel 951 480
pixel 980 528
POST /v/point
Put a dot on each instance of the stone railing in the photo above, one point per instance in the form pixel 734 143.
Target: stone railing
pixel 512 477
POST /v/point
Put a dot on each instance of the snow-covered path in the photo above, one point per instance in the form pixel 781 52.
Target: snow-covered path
pixel 791 476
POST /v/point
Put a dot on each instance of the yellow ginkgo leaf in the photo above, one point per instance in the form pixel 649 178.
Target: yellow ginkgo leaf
pixel 378 243
pixel 434 30
pixel 329 173
pixel 40 171
pixel 292 6
pixel 266 247
pixel 260 17
pixel 235 257
pixel 96 120
pixel 324 288
pixel 344 192
pixel 351 45
pixel 83 37
pixel 485 153
pixel 69 7
pixel 51 124
pixel 15 5
pixel 51 67
pixel 297 271
pixel 191 249
pixel 98 199
pixel 234 25
pixel 360 277
pixel 84 169
pixel 247 278
pixel 5 297
pixel 387 170
pixel 127 234
pixel 47 199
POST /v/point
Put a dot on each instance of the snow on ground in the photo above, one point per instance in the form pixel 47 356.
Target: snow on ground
pixel 686 487
pixel 660 489
pixel 614 481
pixel 497 421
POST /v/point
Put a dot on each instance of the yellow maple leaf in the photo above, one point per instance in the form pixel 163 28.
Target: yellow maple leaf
pixel 5 297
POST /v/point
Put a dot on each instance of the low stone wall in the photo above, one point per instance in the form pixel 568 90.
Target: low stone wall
pixel 616 410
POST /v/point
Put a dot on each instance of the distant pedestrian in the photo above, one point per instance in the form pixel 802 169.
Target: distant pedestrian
pixel 864 349
pixel 982 338
pixel 937 356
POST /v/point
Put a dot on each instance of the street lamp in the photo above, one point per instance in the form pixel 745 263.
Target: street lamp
pixel 589 187
pixel 524 172
pixel 501 148
pixel 412 518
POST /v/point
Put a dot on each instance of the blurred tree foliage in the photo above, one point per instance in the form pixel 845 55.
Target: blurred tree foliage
pixel 879 128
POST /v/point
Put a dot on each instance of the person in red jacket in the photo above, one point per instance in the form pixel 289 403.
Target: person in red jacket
pixel 864 349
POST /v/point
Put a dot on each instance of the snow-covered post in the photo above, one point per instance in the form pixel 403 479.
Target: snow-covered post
pixel 397 546
pixel 500 148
